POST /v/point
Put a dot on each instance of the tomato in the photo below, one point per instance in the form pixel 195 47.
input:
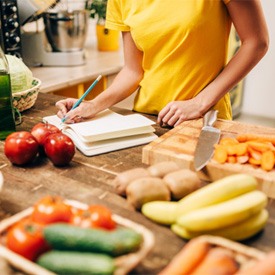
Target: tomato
pixel 51 209
pixel 42 130
pixel 21 147
pixel 96 216
pixel 59 148
pixel 26 239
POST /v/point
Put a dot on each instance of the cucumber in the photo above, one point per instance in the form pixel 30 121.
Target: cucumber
pixel 71 262
pixel 62 236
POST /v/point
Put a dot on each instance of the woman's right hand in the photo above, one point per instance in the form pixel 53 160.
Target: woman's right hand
pixel 85 110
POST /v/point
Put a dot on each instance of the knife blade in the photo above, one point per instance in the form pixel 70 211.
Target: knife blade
pixel 208 137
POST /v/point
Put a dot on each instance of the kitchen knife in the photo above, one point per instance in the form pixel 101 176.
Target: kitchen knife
pixel 209 136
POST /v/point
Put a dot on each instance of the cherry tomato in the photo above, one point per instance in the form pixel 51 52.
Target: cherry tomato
pixel 26 239
pixel 51 209
pixel 96 216
pixel 21 147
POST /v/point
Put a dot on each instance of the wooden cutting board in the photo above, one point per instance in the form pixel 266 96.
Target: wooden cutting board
pixel 179 145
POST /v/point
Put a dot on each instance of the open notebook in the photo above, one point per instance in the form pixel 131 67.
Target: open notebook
pixel 107 132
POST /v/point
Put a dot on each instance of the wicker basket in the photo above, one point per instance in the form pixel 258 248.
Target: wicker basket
pixel 26 99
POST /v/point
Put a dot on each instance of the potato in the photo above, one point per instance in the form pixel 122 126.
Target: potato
pixel 124 178
pixel 162 168
pixel 147 189
pixel 182 183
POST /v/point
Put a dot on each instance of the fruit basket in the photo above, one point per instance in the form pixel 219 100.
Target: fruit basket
pixel 124 264
pixel 26 99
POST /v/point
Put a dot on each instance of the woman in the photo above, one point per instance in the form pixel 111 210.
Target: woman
pixel 175 55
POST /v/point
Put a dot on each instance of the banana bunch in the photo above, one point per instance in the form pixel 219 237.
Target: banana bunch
pixel 231 207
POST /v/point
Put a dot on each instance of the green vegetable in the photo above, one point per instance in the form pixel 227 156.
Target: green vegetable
pixel 68 237
pixel 68 262
pixel 21 76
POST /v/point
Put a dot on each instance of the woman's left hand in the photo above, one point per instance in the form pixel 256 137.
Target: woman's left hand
pixel 176 112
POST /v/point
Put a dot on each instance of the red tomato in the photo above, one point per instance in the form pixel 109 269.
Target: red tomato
pixel 42 130
pixel 51 209
pixel 26 239
pixel 59 148
pixel 21 147
pixel 96 216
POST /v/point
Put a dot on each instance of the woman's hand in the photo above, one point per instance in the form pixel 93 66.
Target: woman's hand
pixel 176 112
pixel 85 110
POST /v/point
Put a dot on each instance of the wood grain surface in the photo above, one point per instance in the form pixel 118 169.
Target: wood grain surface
pixel 89 180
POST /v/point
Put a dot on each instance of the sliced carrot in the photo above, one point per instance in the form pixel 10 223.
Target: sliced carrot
pixel 228 140
pixel 254 153
pixel 242 159
pixel 259 146
pixel 261 267
pixel 253 161
pixel 218 261
pixel 220 154
pixel 231 159
pixel 267 161
pixel 188 258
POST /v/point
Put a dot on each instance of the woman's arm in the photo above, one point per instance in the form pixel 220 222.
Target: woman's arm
pixel 124 84
pixel 249 22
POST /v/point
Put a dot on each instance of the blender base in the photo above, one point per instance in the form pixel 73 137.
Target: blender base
pixel 35 55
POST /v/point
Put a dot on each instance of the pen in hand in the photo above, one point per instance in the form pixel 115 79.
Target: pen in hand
pixel 83 96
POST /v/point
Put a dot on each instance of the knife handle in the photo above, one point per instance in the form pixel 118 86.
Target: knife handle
pixel 210 118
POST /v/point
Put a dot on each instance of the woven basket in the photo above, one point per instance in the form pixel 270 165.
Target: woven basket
pixel 26 99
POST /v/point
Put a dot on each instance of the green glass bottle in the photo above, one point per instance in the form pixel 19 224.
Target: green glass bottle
pixel 7 117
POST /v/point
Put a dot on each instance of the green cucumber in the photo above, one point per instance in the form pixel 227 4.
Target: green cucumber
pixel 71 262
pixel 62 236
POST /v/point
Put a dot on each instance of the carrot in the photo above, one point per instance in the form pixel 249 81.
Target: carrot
pixel 220 154
pixel 254 153
pixel 253 161
pixel 264 266
pixel 242 159
pixel 228 140
pixel 188 258
pixel 259 146
pixel 250 137
pixel 219 261
pixel 231 159
pixel 267 161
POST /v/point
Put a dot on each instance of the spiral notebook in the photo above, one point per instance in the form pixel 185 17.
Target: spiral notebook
pixel 108 131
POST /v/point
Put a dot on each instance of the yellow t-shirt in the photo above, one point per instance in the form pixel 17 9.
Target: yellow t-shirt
pixel 184 45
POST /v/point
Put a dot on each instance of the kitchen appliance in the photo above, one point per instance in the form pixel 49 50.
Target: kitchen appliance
pixel 52 34
pixel 209 136
pixel 10 36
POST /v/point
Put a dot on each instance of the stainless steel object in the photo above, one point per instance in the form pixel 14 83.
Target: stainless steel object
pixel 209 136
pixel 66 30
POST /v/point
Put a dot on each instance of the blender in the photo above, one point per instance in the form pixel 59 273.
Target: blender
pixel 52 33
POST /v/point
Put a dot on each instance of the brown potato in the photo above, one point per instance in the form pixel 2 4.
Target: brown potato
pixel 162 168
pixel 124 178
pixel 147 189
pixel 182 183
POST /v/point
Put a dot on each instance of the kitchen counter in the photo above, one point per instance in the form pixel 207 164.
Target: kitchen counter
pixel 89 180
pixel 56 78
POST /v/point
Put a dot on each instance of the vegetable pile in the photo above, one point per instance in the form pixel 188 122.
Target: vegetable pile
pixel 69 240
pixel 247 148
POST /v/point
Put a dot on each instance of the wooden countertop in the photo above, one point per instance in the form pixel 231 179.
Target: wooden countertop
pixel 55 78
pixel 89 180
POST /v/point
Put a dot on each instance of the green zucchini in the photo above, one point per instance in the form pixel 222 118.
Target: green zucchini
pixel 62 236
pixel 71 262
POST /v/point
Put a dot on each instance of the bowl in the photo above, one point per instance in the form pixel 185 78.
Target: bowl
pixel 25 100
pixel 66 31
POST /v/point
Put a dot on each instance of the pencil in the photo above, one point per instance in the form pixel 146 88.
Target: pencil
pixel 83 96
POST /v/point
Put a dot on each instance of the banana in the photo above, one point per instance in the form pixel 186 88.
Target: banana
pixel 162 212
pixel 235 232
pixel 225 213
pixel 216 192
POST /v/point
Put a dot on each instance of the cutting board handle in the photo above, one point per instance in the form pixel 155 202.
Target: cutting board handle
pixel 210 118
